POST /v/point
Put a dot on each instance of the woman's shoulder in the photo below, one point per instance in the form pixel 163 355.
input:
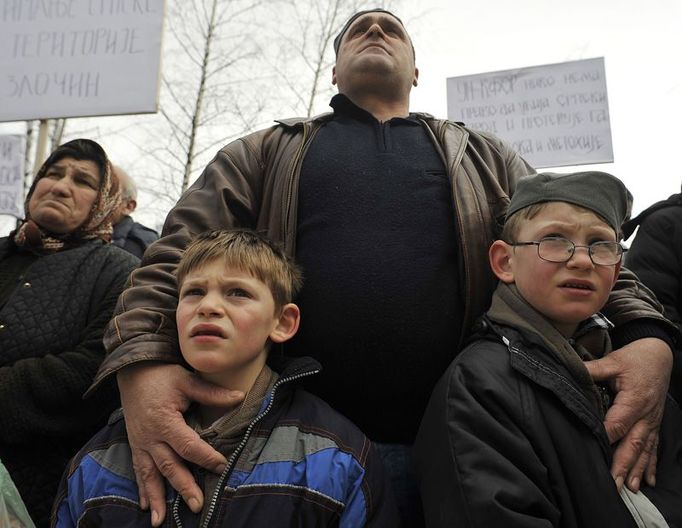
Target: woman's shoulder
pixel 112 254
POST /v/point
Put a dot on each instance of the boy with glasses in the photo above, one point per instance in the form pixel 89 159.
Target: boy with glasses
pixel 513 434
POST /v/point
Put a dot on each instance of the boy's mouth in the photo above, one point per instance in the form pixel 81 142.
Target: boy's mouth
pixel 578 285
pixel 207 330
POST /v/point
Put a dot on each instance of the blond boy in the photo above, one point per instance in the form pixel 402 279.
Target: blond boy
pixel 291 459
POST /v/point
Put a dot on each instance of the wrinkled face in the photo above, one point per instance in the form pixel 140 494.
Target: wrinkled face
pixel 568 292
pixel 374 44
pixel 224 318
pixel 63 198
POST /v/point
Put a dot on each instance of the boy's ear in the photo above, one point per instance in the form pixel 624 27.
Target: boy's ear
pixel 616 272
pixel 499 256
pixel 287 323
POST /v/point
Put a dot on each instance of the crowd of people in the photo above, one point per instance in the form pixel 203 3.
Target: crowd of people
pixel 371 317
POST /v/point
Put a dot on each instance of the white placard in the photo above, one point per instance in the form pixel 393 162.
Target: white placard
pixel 553 115
pixel 74 58
pixel 11 175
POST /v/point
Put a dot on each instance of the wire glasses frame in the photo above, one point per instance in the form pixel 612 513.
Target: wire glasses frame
pixel 559 249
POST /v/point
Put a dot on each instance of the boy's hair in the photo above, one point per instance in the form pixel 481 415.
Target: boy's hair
pixel 247 251
pixel 513 224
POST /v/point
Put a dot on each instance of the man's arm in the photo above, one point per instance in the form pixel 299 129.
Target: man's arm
pixel 225 195
pixel 639 370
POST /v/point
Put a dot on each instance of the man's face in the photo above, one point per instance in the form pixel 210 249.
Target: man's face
pixel 376 44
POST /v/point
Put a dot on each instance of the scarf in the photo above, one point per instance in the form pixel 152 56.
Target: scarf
pixel 226 433
pixel 511 309
pixel 98 225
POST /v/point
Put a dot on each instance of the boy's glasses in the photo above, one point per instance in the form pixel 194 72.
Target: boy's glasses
pixel 560 249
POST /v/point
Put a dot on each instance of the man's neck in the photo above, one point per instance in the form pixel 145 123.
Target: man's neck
pixel 382 109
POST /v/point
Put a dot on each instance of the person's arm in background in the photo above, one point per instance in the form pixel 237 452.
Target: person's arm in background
pixel 655 256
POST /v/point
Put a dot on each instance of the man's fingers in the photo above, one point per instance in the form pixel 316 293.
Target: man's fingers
pixel 209 394
pixel 150 486
pixel 626 458
pixel 187 444
pixel 173 469
pixel 603 369
pixel 643 463
pixel 619 419
pixel 154 397
pixel 650 471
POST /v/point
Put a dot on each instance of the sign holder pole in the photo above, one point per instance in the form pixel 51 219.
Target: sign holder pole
pixel 40 148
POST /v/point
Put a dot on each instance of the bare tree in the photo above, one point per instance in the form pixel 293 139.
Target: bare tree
pixel 210 57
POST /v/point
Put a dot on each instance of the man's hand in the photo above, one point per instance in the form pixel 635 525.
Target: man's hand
pixel 640 374
pixel 154 396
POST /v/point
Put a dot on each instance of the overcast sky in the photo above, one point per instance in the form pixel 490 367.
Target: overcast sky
pixel 641 43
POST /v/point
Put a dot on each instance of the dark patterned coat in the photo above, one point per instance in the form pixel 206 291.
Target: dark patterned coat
pixel 50 348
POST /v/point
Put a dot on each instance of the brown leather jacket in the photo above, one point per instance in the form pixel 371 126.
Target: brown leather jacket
pixel 253 182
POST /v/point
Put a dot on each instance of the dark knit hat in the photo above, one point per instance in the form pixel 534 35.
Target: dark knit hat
pixel 337 40
pixel 599 192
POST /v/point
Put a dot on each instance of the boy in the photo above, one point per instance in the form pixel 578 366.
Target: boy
pixel 292 460
pixel 513 433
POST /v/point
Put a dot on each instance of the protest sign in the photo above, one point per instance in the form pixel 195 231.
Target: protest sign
pixel 72 58
pixel 11 175
pixel 553 115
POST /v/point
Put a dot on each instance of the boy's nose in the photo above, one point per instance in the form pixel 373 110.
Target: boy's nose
pixel 209 306
pixel 581 257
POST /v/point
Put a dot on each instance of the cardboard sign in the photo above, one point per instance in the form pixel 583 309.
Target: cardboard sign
pixel 553 115
pixel 12 175
pixel 73 58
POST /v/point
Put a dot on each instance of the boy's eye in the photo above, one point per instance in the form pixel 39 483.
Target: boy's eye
pixel 192 291
pixel 238 292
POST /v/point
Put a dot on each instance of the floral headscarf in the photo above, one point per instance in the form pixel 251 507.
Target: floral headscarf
pixel 98 223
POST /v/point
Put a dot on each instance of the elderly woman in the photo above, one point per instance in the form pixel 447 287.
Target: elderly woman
pixel 59 281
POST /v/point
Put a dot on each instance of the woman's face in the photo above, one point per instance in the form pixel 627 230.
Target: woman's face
pixel 62 199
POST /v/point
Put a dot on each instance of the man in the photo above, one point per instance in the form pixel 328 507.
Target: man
pixel 390 214
pixel 128 234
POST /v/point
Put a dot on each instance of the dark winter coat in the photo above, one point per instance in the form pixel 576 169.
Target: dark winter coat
pixel 299 464
pixel 50 348
pixel 656 253
pixel 656 257
pixel 510 439
pixel 133 236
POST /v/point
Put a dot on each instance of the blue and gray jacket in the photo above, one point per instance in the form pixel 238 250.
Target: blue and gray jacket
pixel 300 463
